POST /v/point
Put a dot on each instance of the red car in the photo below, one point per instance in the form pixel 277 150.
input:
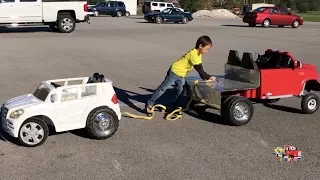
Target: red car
pixel 267 16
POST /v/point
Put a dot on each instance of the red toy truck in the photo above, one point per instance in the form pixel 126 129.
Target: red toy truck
pixel 291 152
pixel 272 76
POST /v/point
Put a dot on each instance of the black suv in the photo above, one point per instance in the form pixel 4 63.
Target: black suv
pixel 113 8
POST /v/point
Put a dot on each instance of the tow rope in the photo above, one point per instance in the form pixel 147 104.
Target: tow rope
pixel 174 115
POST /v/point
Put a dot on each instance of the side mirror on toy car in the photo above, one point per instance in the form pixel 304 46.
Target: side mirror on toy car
pixel 54 97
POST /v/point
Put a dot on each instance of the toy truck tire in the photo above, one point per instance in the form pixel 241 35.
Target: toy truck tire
pixel 42 130
pixel 310 103
pixel 66 24
pixel 106 117
pixel 240 116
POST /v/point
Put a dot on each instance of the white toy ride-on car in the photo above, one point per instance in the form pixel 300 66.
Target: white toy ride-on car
pixel 66 104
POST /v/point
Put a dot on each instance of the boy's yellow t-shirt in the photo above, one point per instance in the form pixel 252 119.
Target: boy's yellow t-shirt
pixel 184 65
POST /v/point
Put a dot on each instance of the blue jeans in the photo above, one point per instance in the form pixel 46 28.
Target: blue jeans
pixel 171 79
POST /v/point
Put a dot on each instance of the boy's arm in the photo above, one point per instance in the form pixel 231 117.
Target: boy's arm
pixel 202 73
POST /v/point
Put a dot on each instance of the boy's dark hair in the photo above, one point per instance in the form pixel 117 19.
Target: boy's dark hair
pixel 204 41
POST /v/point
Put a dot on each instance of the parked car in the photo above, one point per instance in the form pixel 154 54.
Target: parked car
pixel 169 15
pixel 113 8
pixel 267 16
pixel 155 6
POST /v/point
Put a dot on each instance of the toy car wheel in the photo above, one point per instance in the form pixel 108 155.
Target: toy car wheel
pixel 238 111
pixel 158 20
pixel 310 103
pixel 184 20
pixel 266 23
pixel 33 132
pixel 295 24
pixel 66 24
pixel 102 123
pixel 96 13
pixel 119 14
pixel 127 14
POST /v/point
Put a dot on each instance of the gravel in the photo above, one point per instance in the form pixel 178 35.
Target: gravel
pixel 217 13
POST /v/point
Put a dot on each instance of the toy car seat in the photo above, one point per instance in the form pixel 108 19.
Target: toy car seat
pixel 248 62
pixel 101 78
pixel 94 78
pixel 233 58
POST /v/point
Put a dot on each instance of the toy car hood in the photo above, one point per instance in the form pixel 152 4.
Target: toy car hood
pixel 22 101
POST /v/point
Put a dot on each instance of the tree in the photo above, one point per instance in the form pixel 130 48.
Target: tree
pixel 190 5
pixel 302 6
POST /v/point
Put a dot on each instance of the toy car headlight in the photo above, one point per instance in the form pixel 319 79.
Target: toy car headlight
pixel 16 114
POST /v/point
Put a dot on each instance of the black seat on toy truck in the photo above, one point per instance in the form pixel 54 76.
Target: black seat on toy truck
pixel 247 62
pixel 233 58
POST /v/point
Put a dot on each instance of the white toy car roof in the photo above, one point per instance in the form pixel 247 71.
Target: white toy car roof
pixel 73 81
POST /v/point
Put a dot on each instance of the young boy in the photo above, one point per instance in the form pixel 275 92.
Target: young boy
pixel 180 68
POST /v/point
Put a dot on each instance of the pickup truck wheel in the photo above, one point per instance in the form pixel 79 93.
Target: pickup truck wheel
pixel 158 20
pixel 310 103
pixel 33 132
pixel 119 14
pixel 127 14
pixel 102 123
pixel 66 24
pixel 238 110
pixel 184 20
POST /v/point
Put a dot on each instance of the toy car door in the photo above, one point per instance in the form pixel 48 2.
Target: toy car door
pixel 73 102
pixel 279 83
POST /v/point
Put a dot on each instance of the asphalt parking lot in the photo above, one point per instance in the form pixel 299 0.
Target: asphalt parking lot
pixel 136 56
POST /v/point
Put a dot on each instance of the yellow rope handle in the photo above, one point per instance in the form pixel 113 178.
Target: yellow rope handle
pixel 145 117
pixel 174 115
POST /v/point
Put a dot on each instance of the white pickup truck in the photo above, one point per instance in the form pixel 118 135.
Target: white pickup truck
pixel 60 15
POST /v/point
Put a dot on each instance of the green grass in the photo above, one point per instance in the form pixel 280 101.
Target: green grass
pixel 312 16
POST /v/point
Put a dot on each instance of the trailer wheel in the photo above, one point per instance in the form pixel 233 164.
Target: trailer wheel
pixel 310 103
pixel 238 110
